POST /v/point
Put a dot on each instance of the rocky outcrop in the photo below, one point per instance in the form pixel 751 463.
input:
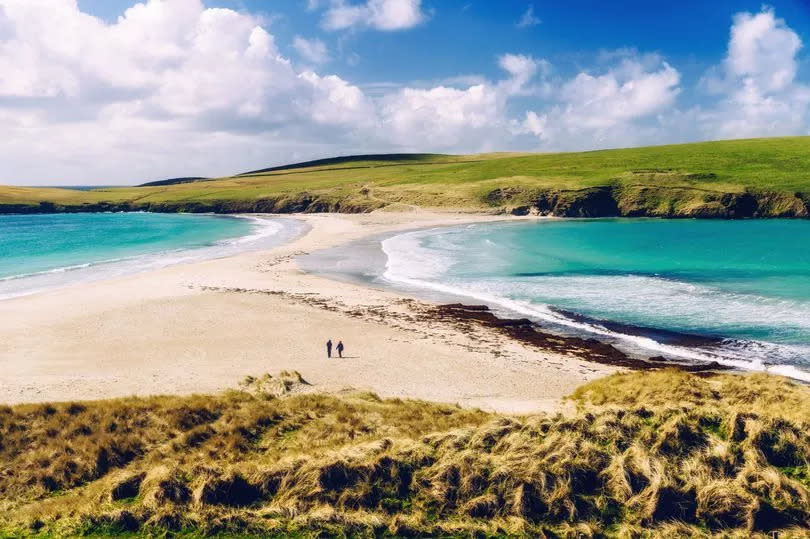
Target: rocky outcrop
pixel 595 202
pixel 651 201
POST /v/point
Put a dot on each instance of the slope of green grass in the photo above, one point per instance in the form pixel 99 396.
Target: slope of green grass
pixel 741 178
pixel 648 454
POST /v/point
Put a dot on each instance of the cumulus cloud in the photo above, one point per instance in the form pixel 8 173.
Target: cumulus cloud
pixel 763 49
pixel 519 66
pixel 160 52
pixel 386 15
pixel 157 88
pixel 445 115
pixel 611 108
pixel 758 94
pixel 533 124
pixel 474 117
pixel 336 102
pixel 311 50
pixel 625 92
pixel 753 92
pixel 175 88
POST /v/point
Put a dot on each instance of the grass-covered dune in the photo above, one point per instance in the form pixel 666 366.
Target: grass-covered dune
pixel 729 179
pixel 657 454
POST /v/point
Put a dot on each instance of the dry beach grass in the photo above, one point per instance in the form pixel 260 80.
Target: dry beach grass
pixel 647 454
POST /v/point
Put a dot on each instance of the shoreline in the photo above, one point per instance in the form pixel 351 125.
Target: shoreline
pixel 364 262
pixel 197 328
pixel 266 232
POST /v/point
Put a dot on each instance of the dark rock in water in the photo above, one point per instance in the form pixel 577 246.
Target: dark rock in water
pixel 703 367
pixel 530 333
pixel 461 306
pixel 692 367
pixel 506 322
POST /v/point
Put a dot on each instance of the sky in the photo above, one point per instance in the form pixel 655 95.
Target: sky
pixel 108 92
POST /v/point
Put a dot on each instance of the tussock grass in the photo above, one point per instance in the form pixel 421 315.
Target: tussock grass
pixel 647 454
pixel 761 394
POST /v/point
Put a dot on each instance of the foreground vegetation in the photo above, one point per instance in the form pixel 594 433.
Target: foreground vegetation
pixel 741 178
pixel 647 454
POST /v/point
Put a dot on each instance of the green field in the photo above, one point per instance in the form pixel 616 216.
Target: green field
pixel 741 178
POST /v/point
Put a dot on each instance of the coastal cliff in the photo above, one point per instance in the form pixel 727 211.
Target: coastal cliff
pixel 602 201
pixel 646 201
pixel 724 179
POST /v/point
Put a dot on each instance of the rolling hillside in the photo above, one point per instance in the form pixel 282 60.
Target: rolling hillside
pixel 726 179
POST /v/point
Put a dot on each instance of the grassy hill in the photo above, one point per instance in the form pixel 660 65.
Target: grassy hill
pixel 741 178
pixel 661 454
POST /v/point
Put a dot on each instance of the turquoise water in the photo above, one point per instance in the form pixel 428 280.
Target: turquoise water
pixel 43 251
pixel 737 291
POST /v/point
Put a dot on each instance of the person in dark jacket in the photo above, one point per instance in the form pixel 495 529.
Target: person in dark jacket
pixel 329 348
pixel 340 348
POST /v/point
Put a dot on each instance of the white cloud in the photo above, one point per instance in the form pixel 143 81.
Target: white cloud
pixel 337 102
pixel 442 117
pixel 626 92
pixel 758 94
pixel 386 15
pixel 474 118
pixel 763 49
pixel 311 50
pixel 148 95
pixel 174 88
pixel 620 106
pixel 534 124
pixel 528 18
pixel 519 66
pixel 522 69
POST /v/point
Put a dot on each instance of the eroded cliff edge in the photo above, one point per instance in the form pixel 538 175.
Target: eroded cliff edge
pixel 602 201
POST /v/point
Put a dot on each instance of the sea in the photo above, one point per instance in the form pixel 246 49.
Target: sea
pixel 736 292
pixel 44 251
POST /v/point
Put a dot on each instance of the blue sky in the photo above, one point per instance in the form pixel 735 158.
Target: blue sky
pixel 465 37
pixel 123 93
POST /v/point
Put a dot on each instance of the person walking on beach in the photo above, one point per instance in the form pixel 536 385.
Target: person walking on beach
pixel 340 349
pixel 329 348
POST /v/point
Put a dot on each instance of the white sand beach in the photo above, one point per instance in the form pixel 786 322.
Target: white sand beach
pixel 203 327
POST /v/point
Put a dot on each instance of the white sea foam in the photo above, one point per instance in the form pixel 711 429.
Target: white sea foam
pixel 412 264
pixel 264 228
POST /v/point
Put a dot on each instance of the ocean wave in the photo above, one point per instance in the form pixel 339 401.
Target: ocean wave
pixel 412 264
